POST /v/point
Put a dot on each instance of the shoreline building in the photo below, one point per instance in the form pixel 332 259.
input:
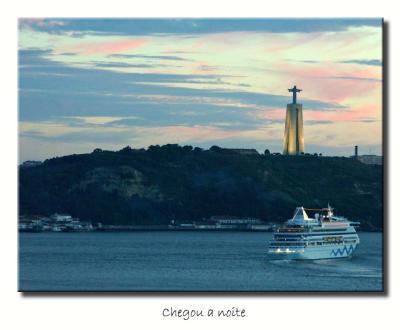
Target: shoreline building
pixel 293 143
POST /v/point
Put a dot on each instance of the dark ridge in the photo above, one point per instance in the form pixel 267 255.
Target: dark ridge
pixel 155 185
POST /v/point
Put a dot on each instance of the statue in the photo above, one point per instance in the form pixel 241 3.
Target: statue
pixel 294 90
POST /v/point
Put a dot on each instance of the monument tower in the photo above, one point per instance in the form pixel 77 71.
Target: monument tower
pixel 293 142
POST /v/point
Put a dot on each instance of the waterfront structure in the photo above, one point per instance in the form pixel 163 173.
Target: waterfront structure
pixel 323 237
pixel 229 220
pixel 293 143
pixel 367 159
pixel 370 159
pixel 222 223
pixel 55 223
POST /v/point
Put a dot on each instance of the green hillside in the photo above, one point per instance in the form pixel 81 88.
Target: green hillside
pixel 156 185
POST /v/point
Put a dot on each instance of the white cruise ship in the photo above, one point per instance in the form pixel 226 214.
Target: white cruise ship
pixel 323 237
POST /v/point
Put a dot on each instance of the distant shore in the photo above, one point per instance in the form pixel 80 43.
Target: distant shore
pixel 167 228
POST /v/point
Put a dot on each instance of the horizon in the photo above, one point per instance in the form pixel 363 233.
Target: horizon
pixel 108 83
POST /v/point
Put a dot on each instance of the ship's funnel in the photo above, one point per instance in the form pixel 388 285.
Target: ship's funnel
pixel 300 217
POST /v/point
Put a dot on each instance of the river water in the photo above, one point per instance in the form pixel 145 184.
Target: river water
pixel 185 261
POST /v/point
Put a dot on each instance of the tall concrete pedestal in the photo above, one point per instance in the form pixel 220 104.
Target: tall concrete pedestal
pixel 293 142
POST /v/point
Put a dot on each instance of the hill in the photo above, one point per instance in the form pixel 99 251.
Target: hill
pixel 153 186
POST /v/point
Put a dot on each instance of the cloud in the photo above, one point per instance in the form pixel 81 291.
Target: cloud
pixel 309 61
pixel 41 23
pixel 356 113
pixel 142 136
pixel 87 136
pixel 109 47
pixel 363 62
pixel 153 57
pixel 68 54
pixel 199 26
pixel 50 89
pixel 369 120
pixel 355 78
pixel 317 122
pixel 130 65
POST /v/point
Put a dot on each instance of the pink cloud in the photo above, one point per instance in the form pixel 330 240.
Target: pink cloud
pixel 332 83
pixel 109 47
pixel 202 67
pixel 278 113
pixel 353 114
pixel 339 90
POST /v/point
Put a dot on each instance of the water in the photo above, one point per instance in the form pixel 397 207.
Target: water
pixel 185 261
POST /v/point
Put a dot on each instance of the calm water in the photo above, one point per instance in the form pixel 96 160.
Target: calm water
pixel 185 261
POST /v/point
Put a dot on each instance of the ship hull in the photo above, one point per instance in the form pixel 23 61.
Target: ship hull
pixel 314 253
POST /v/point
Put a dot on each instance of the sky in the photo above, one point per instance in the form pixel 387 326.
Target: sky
pixel 109 83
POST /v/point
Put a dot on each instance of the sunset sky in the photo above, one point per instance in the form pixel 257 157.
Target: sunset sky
pixel 96 83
